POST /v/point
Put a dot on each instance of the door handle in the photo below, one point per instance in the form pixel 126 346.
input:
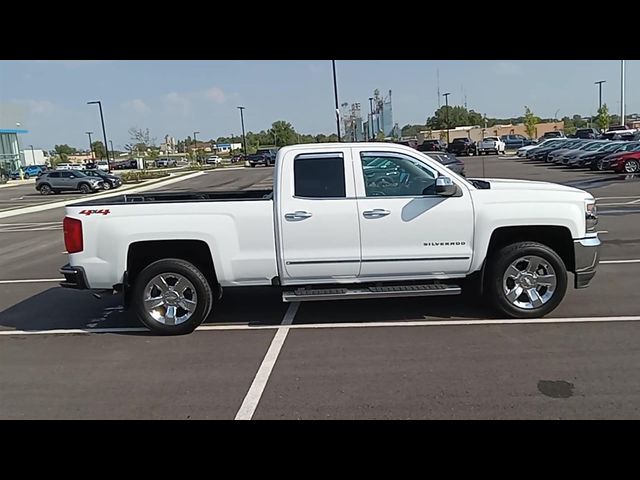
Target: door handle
pixel 297 215
pixel 375 213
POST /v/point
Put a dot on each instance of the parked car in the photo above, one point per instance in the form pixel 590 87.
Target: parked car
pixel 491 145
pixel 587 133
pixel 109 181
pixel 237 159
pixel 522 151
pixel 542 153
pixel 594 146
pixel 450 161
pixel 67 180
pixel 568 146
pixel 619 161
pixel 342 221
pixel 628 162
pixel 552 134
pixel 263 156
pixel 530 150
pixel 125 164
pixel 432 146
pixel 213 160
pixel 28 172
pixel 166 162
pixel 587 158
pixel 516 141
pixel 462 146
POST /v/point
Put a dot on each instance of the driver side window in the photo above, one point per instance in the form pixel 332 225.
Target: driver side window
pixel 392 175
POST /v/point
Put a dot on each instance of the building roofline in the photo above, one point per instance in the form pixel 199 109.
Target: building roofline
pixel 10 130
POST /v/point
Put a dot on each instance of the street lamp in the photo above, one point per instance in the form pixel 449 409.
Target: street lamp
pixel 104 133
pixel 599 83
pixel 195 142
pixel 622 92
pixel 335 93
pixel 90 144
pixel 33 155
pixel 446 101
pixel 370 118
pixel 244 138
pixel 113 155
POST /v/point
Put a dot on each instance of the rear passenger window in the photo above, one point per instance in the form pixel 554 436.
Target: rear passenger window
pixel 319 177
pixel 54 175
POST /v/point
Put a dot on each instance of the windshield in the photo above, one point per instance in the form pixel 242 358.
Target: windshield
pixel 594 146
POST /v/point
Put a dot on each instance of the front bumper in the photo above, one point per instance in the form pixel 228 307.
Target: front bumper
pixel 74 277
pixel 587 255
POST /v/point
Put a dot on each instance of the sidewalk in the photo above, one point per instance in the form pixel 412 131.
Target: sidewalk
pixel 15 183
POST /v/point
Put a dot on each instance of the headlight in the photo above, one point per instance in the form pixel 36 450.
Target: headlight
pixel 591 215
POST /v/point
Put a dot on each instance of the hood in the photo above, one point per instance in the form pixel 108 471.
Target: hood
pixel 511 184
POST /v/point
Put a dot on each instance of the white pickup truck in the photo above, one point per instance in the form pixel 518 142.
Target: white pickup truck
pixel 343 221
pixel 491 145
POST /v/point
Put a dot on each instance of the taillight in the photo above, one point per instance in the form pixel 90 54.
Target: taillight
pixel 72 235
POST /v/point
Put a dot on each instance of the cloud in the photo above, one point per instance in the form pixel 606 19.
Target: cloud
pixel 508 69
pixel 215 94
pixel 178 102
pixel 137 106
pixel 39 106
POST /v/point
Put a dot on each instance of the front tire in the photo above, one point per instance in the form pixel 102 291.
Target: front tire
pixel 106 186
pixel 526 280
pixel 85 188
pixel 172 297
pixel 45 189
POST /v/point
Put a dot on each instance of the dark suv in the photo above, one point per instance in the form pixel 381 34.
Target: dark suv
pixel 588 133
pixel 462 146
pixel 432 146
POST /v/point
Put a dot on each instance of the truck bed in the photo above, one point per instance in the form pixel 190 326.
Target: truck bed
pixel 181 197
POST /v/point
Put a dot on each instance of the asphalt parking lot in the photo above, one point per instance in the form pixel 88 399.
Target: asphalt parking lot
pixel 255 357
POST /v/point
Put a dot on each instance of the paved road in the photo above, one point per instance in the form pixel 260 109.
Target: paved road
pixel 429 370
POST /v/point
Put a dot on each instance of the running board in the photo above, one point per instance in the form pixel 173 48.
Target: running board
pixel 309 295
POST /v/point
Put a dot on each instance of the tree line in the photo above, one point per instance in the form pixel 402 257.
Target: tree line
pixel 458 116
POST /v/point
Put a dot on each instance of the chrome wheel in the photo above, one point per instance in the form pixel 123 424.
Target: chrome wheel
pixel 529 282
pixel 170 299
pixel 631 166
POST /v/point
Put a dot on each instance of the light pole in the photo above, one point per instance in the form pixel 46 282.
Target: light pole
pixel 622 92
pixel 446 101
pixel 335 94
pixel 195 142
pixel 599 83
pixel 90 144
pixel 104 132
pixel 113 155
pixel 33 155
pixel 370 118
pixel 244 138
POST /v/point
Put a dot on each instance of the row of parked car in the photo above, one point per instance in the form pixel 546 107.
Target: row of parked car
pixel 617 155
pixel 466 146
pixel 87 180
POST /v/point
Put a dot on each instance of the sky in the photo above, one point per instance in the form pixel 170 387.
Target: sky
pixel 48 97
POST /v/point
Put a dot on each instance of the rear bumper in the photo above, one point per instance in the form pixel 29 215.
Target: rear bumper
pixel 587 256
pixel 74 277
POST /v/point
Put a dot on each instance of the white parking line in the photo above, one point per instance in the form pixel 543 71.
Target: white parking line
pixel 307 326
pixel 251 400
pixel 32 280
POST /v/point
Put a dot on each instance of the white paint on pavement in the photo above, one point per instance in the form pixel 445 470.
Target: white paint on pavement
pixel 306 326
pixel 251 400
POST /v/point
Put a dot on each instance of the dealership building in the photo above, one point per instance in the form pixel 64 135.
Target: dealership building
pixel 10 154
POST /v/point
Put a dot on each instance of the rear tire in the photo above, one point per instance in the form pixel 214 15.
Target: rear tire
pixel 631 166
pixel 84 188
pixel 154 319
pixel 515 297
pixel 45 189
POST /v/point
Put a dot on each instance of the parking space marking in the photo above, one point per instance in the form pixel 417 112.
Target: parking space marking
pixel 32 280
pixel 251 400
pixel 307 326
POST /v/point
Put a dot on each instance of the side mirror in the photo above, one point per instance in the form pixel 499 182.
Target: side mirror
pixel 445 187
